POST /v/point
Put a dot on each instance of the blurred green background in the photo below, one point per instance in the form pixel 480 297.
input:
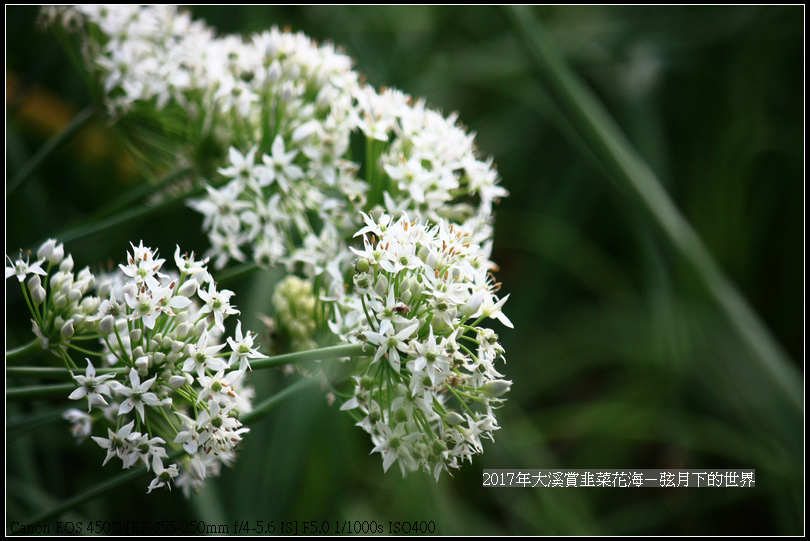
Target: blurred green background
pixel 619 357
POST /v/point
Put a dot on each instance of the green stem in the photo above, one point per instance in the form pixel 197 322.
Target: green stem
pixel 144 189
pixel 96 491
pixel 129 215
pixel 261 411
pixel 23 394
pixel 20 426
pixel 23 353
pixel 237 271
pixel 323 354
pixel 122 478
pixel 608 144
pixel 78 121
pixel 86 351
pixel 44 372
pixel 34 312
pixel 365 311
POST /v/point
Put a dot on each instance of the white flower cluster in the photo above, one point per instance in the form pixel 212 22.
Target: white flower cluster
pixel 286 109
pixel 174 386
pixel 312 155
pixel 428 394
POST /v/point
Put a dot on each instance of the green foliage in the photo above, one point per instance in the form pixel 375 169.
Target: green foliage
pixel 621 356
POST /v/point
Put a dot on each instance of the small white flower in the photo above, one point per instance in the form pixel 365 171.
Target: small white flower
pixel 92 387
pixel 217 303
pixel 201 356
pixel 243 349
pixel 21 268
pixel 219 386
pixel 163 476
pixel 137 394
pixel 390 342
pixel 396 444
pixel 82 423
pixel 117 443
pixel 279 166
pixel 243 167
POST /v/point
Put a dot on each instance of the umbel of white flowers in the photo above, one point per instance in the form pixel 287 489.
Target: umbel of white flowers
pixel 405 217
pixel 428 394
pixel 180 388
pixel 283 109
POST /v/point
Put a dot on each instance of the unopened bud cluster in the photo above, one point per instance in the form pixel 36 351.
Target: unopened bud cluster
pixel 295 304
pixel 173 385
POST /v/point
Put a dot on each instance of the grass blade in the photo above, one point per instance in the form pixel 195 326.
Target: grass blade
pixel 631 174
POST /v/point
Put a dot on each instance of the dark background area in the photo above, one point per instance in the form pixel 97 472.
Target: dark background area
pixel 619 359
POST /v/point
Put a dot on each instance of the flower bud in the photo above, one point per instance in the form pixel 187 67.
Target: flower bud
pixel 274 72
pixel 287 91
pixel 67 329
pixel 135 335
pixel 51 251
pixel 34 282
pixel 472 305
pixel 175 382
pixel 142 364
pixel 454 418
pixel 188 289
pixel 86 280
pixel 182 330
pixel 67 264
pixel 271 49
pixel 105 289
pixel 200 328
pixel 38 295
pixel 79 320
pixel 432 260
pixel 361 265
pixel 74 295
pixel 59 300
pixel 130 290
pixel 381 287
pixel 107 325
pixel 89 305
pixel 496 388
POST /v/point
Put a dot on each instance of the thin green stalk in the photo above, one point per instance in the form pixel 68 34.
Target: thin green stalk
pixel 34 392
pixel 25 171
pixel 130 215
pixel 237 271
pixel 23 353
pixel 96 491
pixel 132 196
pixel 122 478
pixel 323 354
pixel 260 412
pixel 21 425
pixel 611 148
pixel 44 372
pixel 86 351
